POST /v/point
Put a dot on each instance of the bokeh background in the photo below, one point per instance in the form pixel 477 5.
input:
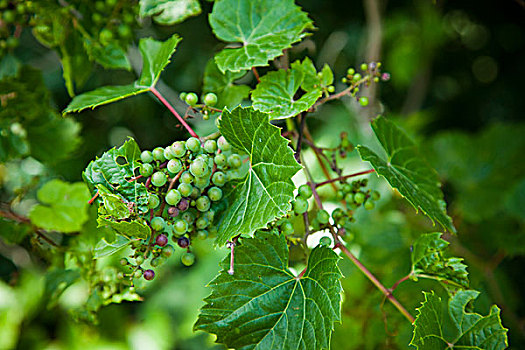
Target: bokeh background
pixel 457 87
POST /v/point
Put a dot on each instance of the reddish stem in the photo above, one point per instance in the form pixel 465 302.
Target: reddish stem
pixel 93 198
pixel 173 111
pixel 299 276
pixel 344 177
pixel 254 70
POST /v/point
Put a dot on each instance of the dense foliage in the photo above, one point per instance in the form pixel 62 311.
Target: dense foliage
pixel 295 188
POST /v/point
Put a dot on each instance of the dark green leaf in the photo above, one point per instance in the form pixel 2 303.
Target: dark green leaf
pixel 156 56
pixel 327 76
pixel 472 331
pixel 110 56
pixel 264 306
pixel 9 66
pixel 276 93
pixel 262 29
pixel 228 94
pixel 407 171
pixel 169 12
pixel 267 190
pixel 428 261
pixel 64 207
pixel 57 281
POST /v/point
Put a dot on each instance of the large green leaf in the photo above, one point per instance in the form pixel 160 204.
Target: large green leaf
pixel 114 170
pixel 169 12
pixel 156 56
pixel 471 330
pixel 276 93
pixel 267 190
pixel 63 208
pixel 110 56
pixel 137 228
pixel 229 94
pixel 103 248
pixel 407 171
pixel 262 28
pixel 428 261
pixel 264 306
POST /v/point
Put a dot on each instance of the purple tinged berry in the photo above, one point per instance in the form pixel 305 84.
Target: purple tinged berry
pixel 183 242
pixel 161 240
pixel 149 275
pixel 385 76
pixel 173 211
pixel 183 205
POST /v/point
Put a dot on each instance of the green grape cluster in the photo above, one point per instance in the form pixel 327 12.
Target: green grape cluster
pixel 367 73
pixel 185 185
pixel 13 15
pixel 110 20
pixel 208 100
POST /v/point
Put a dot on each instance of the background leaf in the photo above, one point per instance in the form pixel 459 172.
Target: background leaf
pixel 263 305
pixel 169 12
pixel 267 190
pixel 156 56
pixel 406 171
pixel 222 84
pixel 263 28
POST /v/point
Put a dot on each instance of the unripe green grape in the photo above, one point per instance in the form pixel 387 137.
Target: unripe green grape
pixel 363 101
pixel 186 177
pixel 234 161
pixel 168 251
pixel 188 217
pixel 325 241
pixel 212 232
pixel 195 193
pixel 305 191
pixel 202 234
pixel 137 274
pixel 210 214
pixel 323 217
pixel 210 146
pixel 105 36
pixel 182 96
pixel 210 99
pixel 153 201
pixel 338 213
pixel 356 77
pixel 188 259
pixel 178 148
pixel 158 179
pixel 173 197
pixel 191 98
pixel 349 197
pixel 218 178
pixel 9 16
pixel 111 3
pixel 203 203
pixel 220 159
pixel 359 197
pixel 215 194
pixel 375 195
pixel 193 144
pixel 300 205
pixel 331 88
pixel 346 187
pixel 155 262
pixel 287 228
pixel 158 223
pixel 146 157
pixel 139 260
pixel 202 182
pixel 158 154
pixel 376 79
pixel 344 80
pixel 185 189
pixel 180 226
pixel 202 223
pixel 174 166
pixel 350 71
pixel 364 67
pixel 199 168
pixel 369 205
pixel 124 31
pixel 168 153
pixel 124 261
pixel 100 6
pixel 223 144
pixel 339 194
pixel 146 169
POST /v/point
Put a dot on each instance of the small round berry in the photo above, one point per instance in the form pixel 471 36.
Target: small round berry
pixel 220 160
pixel 375 195
pixel 234 161
pixel 137 274
pixel 202 223
pixel 185 189
pixel 202 182
pixel 183 205
pixel 158 223
pixel 180 227
pixel 323 217
pixel 153 201
pixel 174 166
pixel 124 31
pixel 188 217
pixel 191 98
pixel 325 241
pixel 372 66
pixel 149 275
pixel 173 212
pixel 223 144
pixel 178 148
pixel 350 71
pixel 146 169
pixel 344 80
pixel 287 228
pixel 173 197
pixel 186 177
pixel 210 146
pixel 161 240
pixel 183 242
pixel 203 204
pixel 210 99
pixel 182 96
pixel 202 234
pixel 331 88
pixel 369 205
pixel 219 178
pixel 376 79
pixel 158 154
pixel 146 157
pixel 300 205
pixel 139 260
pixel 363 101
pixel 215 194
pixel 158 179
pixel 105 36
pixel 364 67
pixel 305 191
pixel 356 77
pixel 168 153
pixel 199 168
pixel 123 261
pixel 359 197
pixel 168 251
pixel 188 258
pixel 385 76
pixel 193 144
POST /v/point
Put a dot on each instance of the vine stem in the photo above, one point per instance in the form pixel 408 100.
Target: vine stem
pixel 387 293
pixel 173 111
pixel 341 178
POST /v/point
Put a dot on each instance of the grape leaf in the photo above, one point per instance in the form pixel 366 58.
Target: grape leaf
pixel 263 29
pixel 169 12
pixel 276 93
pixel 228 94
pixel 156 56
pixel 103 248
pixel 113 170
pixel 132 229
pixel 428 261
pixel 57 281
pixel 267 190
pixel 406 171
pixel 327 76
pixel 9 66
pixel 64 206
pixel 264 306
pixel 472 331
pixel 110 56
